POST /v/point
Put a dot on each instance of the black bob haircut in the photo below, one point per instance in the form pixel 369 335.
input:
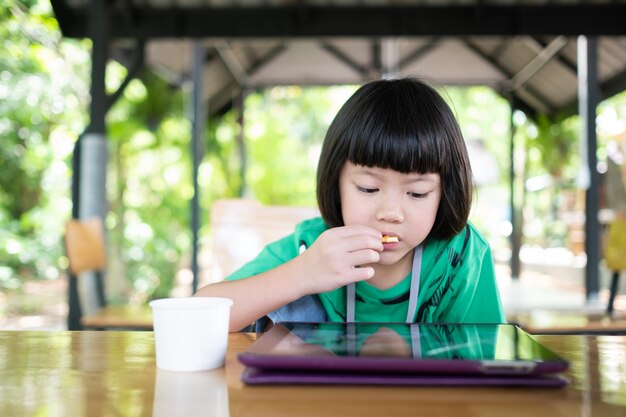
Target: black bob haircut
pixel 404 125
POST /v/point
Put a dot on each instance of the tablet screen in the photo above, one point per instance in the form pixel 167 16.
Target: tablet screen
pixel 473 342
pixel 401 354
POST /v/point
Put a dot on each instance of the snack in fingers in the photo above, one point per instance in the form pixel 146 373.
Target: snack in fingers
pixel 389 239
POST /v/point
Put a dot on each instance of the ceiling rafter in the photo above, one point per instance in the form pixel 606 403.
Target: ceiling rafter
pixel 345 59
pixel 508 74
pixel 562 59
pixel 545 55
pixel 236 69
pixel 419 52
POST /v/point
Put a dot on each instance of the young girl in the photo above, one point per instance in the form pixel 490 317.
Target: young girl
pixel 393 164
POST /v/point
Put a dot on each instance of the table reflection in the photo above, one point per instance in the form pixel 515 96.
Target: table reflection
pixel 190 394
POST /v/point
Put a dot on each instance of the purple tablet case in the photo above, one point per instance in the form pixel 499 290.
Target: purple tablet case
pixel 257 376
pixel 398 366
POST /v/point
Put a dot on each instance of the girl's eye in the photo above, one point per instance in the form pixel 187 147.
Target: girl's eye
pixel 367 190
pixel 418 195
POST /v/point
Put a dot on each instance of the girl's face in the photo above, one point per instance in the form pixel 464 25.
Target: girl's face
pixel 396 204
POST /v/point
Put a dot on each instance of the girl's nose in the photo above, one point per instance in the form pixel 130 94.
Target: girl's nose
pixel 390 212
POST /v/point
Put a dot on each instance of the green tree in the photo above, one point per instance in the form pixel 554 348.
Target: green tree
pixel 549 174
pixel 42 97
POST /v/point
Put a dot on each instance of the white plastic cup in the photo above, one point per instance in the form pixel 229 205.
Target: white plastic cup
pixel 191 333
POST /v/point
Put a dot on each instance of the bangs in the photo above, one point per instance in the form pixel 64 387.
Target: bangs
pixel 396 138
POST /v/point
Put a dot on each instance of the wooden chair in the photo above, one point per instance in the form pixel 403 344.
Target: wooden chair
pixel 88 309
pixel 242 227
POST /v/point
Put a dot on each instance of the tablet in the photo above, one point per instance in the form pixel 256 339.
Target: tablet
pixel 401 354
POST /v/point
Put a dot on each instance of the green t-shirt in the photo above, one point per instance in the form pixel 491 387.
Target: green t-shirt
pixel 457 281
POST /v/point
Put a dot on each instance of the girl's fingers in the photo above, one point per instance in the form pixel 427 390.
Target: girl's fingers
pixel 363 257
pixel 353 238
pixel 360 242
pixel 356 230
pixel 362 273
pixel 342 255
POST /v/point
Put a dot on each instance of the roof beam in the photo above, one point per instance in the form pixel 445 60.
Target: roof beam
pixel 535 65
pixel 376 21
pixel 268 57
pixel 528 108
pixel 419 52
pixel 134 70
pixel 345 59
pixel 235 67
pixel 222 99
pixel 499 50
pixel 563 60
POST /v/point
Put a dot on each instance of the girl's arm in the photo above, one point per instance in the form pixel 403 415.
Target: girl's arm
pixel 331 262
pixel 256 296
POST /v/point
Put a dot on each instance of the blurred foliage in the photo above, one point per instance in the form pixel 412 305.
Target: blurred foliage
pixel 552 165
pixel 491 129
pixel 148 187
pixel 285 128
pixel 42 96
pixel 553 149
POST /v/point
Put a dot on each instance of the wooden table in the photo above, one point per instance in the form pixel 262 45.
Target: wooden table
pixel 96 374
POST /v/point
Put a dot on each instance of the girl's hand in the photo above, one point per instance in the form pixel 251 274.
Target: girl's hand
pixel 337 258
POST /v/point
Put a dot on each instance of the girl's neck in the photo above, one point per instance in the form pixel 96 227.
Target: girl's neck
pixel 387 276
